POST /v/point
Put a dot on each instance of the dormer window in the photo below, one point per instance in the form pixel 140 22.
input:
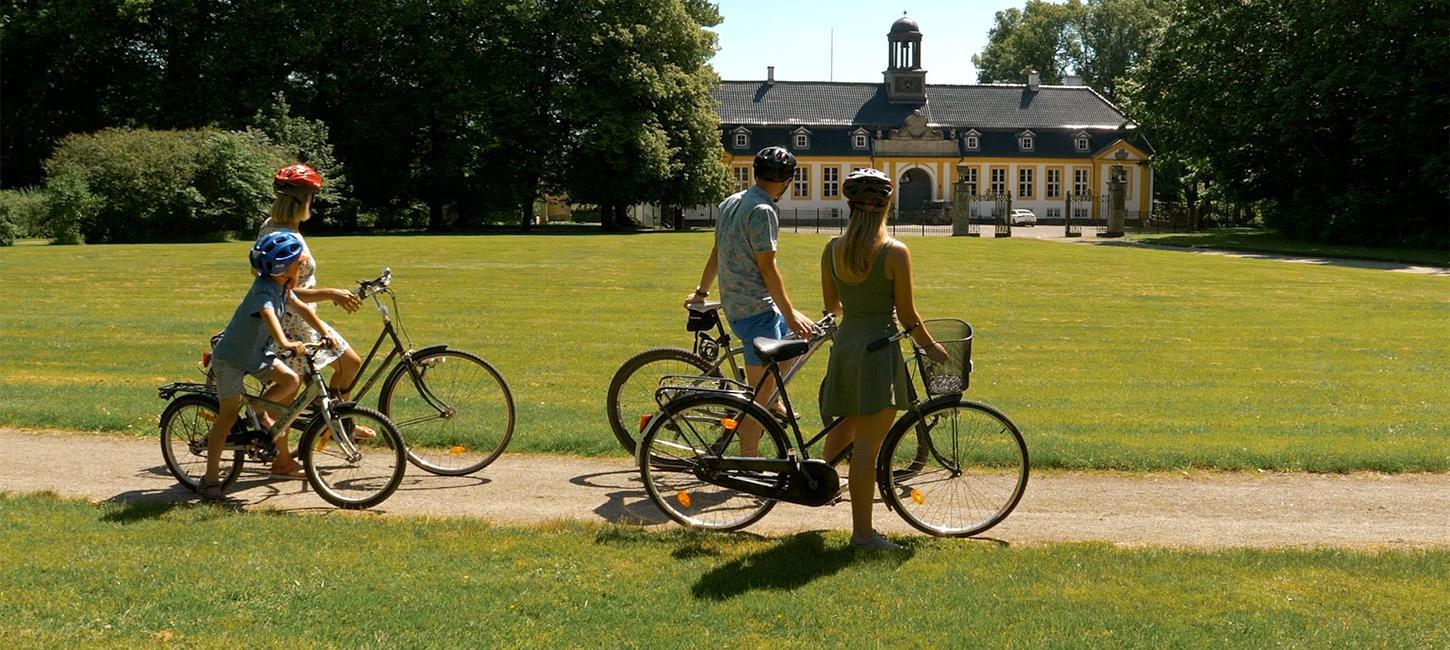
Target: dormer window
pixel 859 139
pixel 972 141
pixel 801 138
pixel 1025 140
pixel 742 138
pixel 1080 141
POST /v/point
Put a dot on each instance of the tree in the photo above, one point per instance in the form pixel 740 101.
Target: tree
pixel 1038 37
pixel 1310 110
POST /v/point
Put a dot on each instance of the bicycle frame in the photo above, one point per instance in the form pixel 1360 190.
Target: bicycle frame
pixel 288 413
pixel 400 351
pixel 717 350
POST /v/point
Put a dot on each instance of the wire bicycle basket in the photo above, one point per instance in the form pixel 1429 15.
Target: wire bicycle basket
pixel 953 375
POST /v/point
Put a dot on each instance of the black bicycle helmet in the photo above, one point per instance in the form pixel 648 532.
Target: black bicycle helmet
pixel 868 189
pixel 774 164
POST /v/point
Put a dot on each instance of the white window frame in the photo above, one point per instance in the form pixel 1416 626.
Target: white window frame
pixel 830 182
pixel 970 178
pixel 972 141
pixel 1054 185
pixel 1025 182
pixel 1026 140
pixel 860 139
pixel 1080 182
pixel 741 174
pixel 800 187
pixel 742 138
pixel 998 178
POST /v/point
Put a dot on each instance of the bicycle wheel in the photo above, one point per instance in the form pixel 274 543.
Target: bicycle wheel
pixel 353 481
pixel 632 390
pixel 972 476
pixel 677 449
pixel 185 425
pixel 458 420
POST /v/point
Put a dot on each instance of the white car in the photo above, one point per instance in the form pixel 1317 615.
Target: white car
pixel 1022 217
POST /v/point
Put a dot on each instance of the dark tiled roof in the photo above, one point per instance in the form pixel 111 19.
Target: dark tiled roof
pixel 980 107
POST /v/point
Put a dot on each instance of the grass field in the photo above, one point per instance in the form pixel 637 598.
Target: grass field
pixel 78 575
pixel 1106 357
pixel 1261 240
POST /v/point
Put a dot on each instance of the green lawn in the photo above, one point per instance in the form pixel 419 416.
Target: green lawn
pixel 1106 357
pixel 75 574
pixel 1261 240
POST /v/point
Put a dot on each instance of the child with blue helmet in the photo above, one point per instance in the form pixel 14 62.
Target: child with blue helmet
pixel 245 348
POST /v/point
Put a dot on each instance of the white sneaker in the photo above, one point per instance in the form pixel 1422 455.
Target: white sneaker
pixel 876 542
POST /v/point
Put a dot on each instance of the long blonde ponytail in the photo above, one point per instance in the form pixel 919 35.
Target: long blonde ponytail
pixel 864 231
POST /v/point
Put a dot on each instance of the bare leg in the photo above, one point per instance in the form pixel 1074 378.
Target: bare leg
pixel 216 439
pixel 344 370
pixel 839 438
pixel 870 432
pixel 283 389
pixel 750 430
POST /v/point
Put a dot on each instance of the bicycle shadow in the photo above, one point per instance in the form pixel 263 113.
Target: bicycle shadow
pixel 627 502
pixel 792 563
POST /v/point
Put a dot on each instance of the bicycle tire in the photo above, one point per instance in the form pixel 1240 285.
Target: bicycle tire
pixel 973 477
pixel 354 483
pixel 668 462
pixel 185 426
pixel 469 438
pixel 627 400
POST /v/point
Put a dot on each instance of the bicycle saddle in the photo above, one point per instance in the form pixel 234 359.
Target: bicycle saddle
pixel 777 350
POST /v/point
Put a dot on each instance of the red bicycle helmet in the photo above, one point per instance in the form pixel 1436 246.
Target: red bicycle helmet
pixel 298 180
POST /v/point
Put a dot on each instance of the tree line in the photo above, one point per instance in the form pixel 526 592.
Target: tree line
pixel 1330 118
pixel 465 111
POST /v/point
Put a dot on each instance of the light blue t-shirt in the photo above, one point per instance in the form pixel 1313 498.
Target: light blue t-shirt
pixel 748 225
pixel 245 341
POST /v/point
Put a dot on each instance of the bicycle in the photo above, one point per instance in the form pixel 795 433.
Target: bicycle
pixel 347 471
pixel 948 466
pixel 455 408
pixel 631 391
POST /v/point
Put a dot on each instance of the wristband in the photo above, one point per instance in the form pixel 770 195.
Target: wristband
pixel 701 293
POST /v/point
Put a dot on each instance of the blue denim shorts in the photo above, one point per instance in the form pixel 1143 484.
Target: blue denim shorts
pixel 769 324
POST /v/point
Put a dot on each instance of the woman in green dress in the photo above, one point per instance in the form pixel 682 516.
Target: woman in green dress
pixel 866 280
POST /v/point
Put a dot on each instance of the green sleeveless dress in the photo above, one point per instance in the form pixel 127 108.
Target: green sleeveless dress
pixel 858 381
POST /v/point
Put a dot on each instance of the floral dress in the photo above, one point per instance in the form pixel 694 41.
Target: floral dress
pixel 293 325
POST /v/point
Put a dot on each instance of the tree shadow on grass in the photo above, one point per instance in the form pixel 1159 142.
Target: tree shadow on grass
pixel 794 562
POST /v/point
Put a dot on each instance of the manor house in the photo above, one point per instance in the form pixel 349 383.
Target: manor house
pixel 1034 141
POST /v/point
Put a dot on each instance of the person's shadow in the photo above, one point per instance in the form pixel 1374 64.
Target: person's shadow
pixel 792 563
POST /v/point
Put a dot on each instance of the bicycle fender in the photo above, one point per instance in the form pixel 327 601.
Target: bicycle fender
pixel 430 349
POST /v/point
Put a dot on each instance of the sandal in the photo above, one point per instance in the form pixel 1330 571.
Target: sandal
pixel 210 491
pixel 295 473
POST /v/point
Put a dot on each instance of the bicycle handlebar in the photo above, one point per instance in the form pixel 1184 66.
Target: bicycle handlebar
pixel 367 288
pixel 881 343
pixel 309 348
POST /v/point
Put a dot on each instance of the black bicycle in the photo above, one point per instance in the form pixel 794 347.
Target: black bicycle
pixel 454 409
pixel 631 394
pixel 949 466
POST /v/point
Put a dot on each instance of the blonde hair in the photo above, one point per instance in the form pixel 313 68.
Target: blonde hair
pixel 289 212
pixel 864 231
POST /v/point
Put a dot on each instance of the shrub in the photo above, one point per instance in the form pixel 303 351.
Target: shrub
pixel 7 231
pixel 123 185
pixel 306 141
pixel 25 210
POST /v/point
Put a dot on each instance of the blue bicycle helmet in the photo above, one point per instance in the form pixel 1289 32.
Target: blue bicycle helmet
pixel 274 252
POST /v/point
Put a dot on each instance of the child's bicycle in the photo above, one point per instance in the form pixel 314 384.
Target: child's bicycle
pixel 949 466
pixel 347 470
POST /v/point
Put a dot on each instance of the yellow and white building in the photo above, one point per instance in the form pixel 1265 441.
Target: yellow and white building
pixel 1035 142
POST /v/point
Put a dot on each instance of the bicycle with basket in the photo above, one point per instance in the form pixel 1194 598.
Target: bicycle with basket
pixel 949 466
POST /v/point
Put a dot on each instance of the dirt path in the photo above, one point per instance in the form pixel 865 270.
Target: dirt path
pixel 1192 509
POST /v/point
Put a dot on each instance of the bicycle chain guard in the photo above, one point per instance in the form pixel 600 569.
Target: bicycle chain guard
pixel 814 483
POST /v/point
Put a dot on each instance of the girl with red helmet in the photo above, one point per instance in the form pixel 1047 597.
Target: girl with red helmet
pixel 296 186
pixel 865 279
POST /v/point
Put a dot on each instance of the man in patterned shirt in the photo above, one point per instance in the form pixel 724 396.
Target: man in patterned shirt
pixel 752 292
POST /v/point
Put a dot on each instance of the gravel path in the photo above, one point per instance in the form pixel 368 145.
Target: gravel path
pixel 1183 509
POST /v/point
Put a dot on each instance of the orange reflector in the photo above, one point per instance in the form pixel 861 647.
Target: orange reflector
pixel 917 496
pixel 644 421
pixel 683 498
pixel 456 449
pixel 729 423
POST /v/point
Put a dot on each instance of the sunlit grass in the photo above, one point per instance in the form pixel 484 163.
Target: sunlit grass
pixel 1106 357
pixel 196 576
